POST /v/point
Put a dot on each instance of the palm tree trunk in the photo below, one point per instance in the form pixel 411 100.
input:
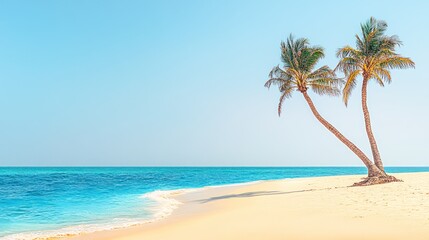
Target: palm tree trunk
pixel 373 171
pixel 372 142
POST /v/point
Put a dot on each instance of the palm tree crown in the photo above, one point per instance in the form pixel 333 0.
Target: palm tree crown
pixel 373 57
pixel 299 59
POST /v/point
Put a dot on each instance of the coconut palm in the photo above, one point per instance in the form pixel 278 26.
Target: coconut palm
pixel 298 74
pixel 373 58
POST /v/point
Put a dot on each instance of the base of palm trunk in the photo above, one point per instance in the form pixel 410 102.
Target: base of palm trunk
pixel 376 180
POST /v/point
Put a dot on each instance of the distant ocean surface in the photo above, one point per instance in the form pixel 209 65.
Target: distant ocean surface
pixel 39 201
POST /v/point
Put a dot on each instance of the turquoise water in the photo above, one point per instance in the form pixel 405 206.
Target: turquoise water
pixel 40 199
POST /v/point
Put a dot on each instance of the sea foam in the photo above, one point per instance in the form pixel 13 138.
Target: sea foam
pixel 164 205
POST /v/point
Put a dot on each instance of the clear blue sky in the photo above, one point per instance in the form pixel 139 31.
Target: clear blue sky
pixel 181 83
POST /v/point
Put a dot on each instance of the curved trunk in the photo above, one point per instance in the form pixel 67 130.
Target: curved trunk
pixel 373 171
pixel 371 138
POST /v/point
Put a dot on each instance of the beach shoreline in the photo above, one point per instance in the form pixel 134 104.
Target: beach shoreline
pixel 180 209
pixel 298 208
pixel 166 201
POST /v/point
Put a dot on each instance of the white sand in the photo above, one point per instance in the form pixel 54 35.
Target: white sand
pixel 310 208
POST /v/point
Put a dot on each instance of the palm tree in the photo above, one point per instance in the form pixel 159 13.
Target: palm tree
pixel 299 60
pixel 373 58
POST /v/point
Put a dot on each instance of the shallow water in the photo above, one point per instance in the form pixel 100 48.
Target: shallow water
pixel 40 199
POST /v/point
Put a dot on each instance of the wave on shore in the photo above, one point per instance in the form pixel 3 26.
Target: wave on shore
pixel 163 207
pixel 165 204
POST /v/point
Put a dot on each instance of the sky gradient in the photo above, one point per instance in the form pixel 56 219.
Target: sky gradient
pixel 163 83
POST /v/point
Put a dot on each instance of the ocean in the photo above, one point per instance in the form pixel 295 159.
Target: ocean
pixel 45 201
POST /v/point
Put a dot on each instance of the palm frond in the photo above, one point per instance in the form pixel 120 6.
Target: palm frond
pixel 274 81
pixel 348 64
pixel 360 45
pixel 312 57
pixel 323 81
pixel 384 74
pixel 390 42
pixel 277 72
pixel 397 62
pixel 287 93
pixel 324 87
pixel 322 72
pixel 348 51
pixel 378 79
pixel 349 85
pixel 279 77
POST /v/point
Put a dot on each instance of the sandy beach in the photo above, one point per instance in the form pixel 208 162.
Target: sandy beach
pixel 306 208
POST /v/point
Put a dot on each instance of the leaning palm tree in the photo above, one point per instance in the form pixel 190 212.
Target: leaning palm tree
pixel 373 58
pixel 298 74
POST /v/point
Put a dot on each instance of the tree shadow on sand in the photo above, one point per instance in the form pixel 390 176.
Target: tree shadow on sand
pixel 251 194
